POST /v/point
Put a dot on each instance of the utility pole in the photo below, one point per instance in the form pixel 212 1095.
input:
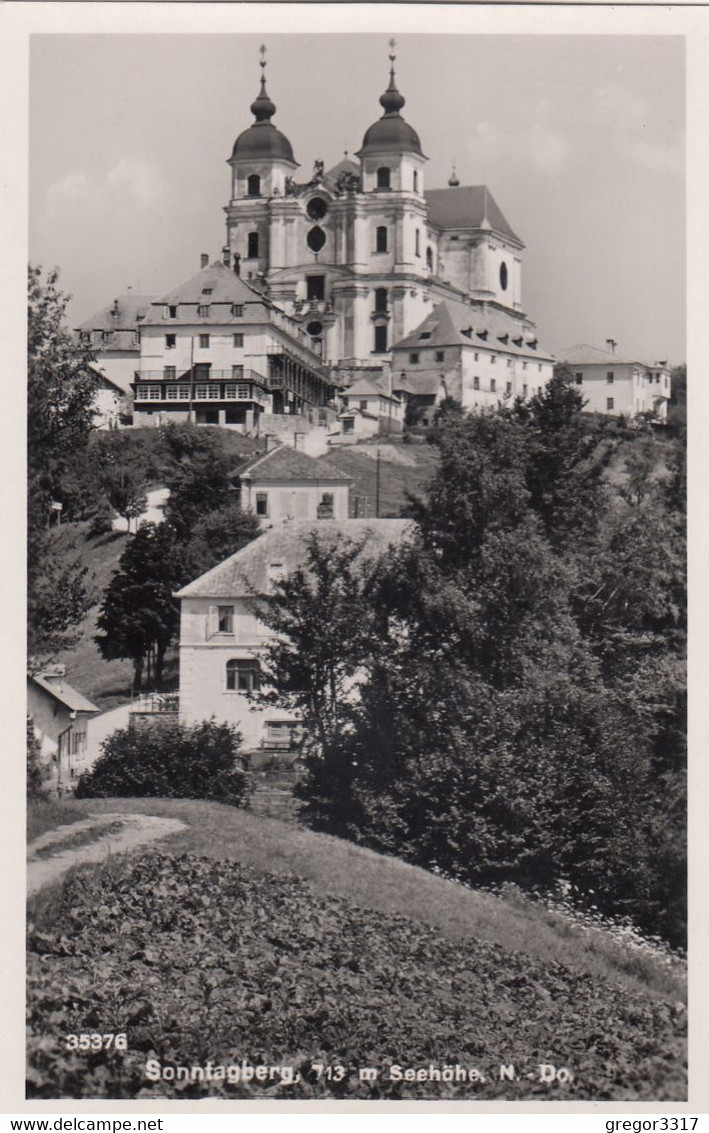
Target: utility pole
pixel 376 505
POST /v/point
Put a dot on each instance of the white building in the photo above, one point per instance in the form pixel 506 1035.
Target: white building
pixel 216 351
pixel 286 484
pixel 113 334
pixel 481 357
pixel 222 636
pixel 618 385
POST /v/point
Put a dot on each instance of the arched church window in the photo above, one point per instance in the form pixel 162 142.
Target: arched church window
pixel 429 259
pixel 503 276
pixel 416 181
pixel 384 178
pixel 315 239
pixel 252 250
pixel 418 242
pixel 380 299
pixel 253 185
pixel 316 208
pixel 382 241
pixel 380 339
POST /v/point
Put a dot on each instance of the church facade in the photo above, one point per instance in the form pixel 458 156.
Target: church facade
pixel 361 254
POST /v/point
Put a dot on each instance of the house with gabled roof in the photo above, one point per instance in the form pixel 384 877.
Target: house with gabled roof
pixel 216 351
pixel 222 637
pixel 287 484
pixel 368 409
pixel 113 334
pixel 617 384
pixel 60 716
pixel 474 353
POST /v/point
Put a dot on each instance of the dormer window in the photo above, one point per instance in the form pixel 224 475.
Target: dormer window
pixel 206 290
pixel 384 178
pixel 203 310
pixel 253 185
pixel 425 334
pixel 237 310
pixel 171 312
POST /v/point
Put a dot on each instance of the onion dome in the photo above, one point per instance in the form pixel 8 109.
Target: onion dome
pixel 262 141
pixel 391 134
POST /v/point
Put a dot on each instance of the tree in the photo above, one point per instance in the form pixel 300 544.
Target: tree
pixel 216 535
pixel 60 398
pixel 198 476
pixel 139 617
pixel 314 660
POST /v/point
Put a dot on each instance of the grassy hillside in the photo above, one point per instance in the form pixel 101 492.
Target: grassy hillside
pixel 403 470
pixel 200 958
pixel 341 869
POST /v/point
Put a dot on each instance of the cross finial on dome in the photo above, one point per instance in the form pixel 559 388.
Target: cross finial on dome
pixel 262 108
pixel 392 53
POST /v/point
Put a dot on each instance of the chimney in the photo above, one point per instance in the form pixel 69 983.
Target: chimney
pixel 114 309
pixel 226 255
pixel 237 264
pixel 204 260
pixel 611 344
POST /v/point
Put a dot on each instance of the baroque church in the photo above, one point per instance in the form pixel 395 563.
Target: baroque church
pixel 362 253
pixel 350 298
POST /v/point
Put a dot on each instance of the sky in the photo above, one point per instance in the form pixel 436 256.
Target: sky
pixel 580 139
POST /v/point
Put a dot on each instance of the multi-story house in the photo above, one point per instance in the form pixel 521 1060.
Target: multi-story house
pixel 216 351
pixel 113 333
pixel 222 637
pixel 617 385
pixel 481 358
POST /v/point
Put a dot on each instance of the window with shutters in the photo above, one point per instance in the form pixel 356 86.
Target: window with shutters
pixel 225 619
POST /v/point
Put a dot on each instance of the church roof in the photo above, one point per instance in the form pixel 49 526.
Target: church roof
pixel 467 206
pixel 347 165
pixel 284 463
pixel 250 570
pixel 261 140
pixel 391 134
pixel 451 323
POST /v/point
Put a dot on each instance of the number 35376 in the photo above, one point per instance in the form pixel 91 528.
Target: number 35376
pixel 96 1041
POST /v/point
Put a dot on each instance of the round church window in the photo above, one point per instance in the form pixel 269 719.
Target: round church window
pixel 314 329
pixel 316 239
pixel 503 276
pixel 316 208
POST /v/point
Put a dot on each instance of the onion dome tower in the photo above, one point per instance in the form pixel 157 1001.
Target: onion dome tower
pixel 391 146
pixel 262 158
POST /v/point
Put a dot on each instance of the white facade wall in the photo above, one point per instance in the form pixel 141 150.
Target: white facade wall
pixel 221 352
pixel 291 500
pixel 203 674
pixel 633 390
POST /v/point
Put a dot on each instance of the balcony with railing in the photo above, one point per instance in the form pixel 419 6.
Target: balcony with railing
pixel 215 385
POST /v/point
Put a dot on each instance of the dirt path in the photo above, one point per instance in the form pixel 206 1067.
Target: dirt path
pixel 135 830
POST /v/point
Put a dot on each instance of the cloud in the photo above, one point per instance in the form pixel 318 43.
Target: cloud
pixel 74 187
pixel 130 182
pixel 136 179
pixel 548 149
pixel 625 118
pixel 536 143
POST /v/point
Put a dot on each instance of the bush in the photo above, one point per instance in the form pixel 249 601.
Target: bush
pixel 198 761
pixel 37 771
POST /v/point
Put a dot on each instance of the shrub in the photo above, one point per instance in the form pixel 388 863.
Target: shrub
pixel 198 761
